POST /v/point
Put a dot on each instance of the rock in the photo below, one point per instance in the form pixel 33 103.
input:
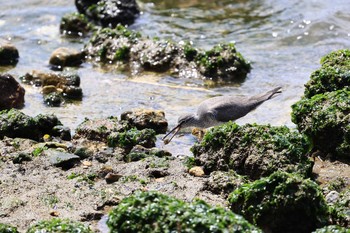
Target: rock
pixel 8 53
pixel 324 118
pixel 142 119
pixel 99 129
pixel 11 93
pixel 224 182
pixel 103 172
pixel 340 209
pixel 58 80
pixel 5 228
pixel 57 225
pixel 158 173
pixel 124 47
pixel 282 202
pixel 332 229
pixel 54 213
pixel 75 24
pixel 223 62
pixel 333 75
pixel 167 214
pixel 109 13
pixel 20 157
pixel 62 159
pixel 86 163
pixel 83 152
pixel 53 99
pixel 332 197
pixel 155 55
pixel 57 88
pixel 63 57
pixel 49 89
pixel 112 177
pixel 14 123
pixel 253 150
pixel 139 152
pixel 132 137
pixel 111 45
pixel 62 132
pixel 196 171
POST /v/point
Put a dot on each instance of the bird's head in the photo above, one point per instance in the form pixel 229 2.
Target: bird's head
pixel 184 121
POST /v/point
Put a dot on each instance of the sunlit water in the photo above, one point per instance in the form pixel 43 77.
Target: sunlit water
pixel 283 40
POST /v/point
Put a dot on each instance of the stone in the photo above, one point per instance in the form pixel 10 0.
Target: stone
pixel 61 159
pixel 75 24
pixel 8 53
pixel 11 92
pixel 112 177
pixel 196 171
pixel 99 129
pixel 142 119
pixel 63 57
pixel 56 87
pixel 109 13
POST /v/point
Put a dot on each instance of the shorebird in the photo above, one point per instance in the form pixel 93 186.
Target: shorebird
pixel 218 110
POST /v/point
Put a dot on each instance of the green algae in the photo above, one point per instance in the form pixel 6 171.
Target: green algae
pixel 57 225
pixel 253 150
pixel 325 119
pixel 154 212
pixel 282 202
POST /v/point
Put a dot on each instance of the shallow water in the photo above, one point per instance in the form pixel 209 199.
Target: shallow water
pixel 284 41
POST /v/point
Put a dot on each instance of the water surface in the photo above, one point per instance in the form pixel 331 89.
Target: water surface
pixel 283 40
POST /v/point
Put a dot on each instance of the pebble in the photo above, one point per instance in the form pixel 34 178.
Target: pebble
pixel 112 177
pixel 196 171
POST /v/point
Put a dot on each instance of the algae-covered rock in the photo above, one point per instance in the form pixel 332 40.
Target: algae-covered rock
pixel 14 123
pixel 253 150
pixel 132 137
pixel 109 13
pixel 154 212
pixel 53 99
pixel 333 75
pixel 325 119
pixel 155 55
pixel 224 182
pixel 130 49
pixel 340 209
pixel 111 45
pixel 223 61
pixel 75 24
pixel 99 129
pixel 332 229
pixel 5 228
pixel 139 152
pixel 57 225
pixel 142 119
pixel 282 202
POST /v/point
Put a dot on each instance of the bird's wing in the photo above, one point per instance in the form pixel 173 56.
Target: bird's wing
pixel 225 108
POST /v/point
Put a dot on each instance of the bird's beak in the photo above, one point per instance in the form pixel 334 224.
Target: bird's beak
pixel 175 130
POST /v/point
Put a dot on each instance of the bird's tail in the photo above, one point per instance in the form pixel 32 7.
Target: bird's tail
pixel 268 95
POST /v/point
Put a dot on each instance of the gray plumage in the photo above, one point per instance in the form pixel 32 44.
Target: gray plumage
pixel 221 109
